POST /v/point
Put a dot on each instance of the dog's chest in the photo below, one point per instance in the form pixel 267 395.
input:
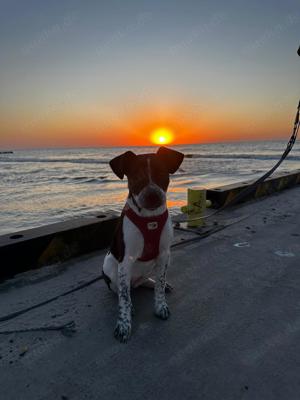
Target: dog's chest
pixel 151 229
pixel 140 238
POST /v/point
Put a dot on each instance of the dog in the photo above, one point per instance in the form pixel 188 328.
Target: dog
pixel 141 244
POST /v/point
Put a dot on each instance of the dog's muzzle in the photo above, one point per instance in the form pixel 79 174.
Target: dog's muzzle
pixel 152 197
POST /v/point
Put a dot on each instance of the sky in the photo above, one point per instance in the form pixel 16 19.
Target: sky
pixel 109 73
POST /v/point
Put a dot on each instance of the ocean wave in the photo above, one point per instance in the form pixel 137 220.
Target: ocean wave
pixel 83 179
pixel 99 180
pixel 54 160
pixel 242 156
pixel 228 156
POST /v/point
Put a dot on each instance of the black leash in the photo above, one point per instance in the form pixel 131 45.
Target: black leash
pixel 67 329
pixel 250 189
pixel 43 303
pixel 253 186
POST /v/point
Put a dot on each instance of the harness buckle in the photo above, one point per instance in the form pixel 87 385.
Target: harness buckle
pixel 152 225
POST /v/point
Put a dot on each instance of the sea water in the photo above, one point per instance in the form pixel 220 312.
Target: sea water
pixel 44 186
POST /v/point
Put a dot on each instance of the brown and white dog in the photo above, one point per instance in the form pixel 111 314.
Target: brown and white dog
pixel 141 244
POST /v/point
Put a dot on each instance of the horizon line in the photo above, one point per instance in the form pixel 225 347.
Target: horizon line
pixel 139 146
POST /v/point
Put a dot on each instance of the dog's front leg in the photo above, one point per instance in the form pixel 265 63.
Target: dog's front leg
pixel 123 327
pixel 161 308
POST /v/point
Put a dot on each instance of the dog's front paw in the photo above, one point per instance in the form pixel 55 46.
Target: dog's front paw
pixel 122 331
pixel 162 311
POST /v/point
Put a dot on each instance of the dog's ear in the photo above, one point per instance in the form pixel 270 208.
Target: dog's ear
pixel 170 158
pixel 120 164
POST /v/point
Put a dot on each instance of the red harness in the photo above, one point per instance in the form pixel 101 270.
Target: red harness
pixel 151 229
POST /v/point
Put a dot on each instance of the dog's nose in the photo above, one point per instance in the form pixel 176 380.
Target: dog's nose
pixel 153 199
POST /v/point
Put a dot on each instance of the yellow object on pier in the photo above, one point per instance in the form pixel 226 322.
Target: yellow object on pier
pixel 196 205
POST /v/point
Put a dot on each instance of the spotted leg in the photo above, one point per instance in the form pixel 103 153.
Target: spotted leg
pixel 123 328
pixel 161 307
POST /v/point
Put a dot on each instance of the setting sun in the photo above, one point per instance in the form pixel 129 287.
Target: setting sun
pixel 162 136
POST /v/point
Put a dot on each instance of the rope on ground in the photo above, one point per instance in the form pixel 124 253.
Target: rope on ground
pixel 66 329
pixel 43 303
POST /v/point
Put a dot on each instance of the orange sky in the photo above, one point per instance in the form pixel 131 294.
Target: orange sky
pixel 101 74
pixel 189 124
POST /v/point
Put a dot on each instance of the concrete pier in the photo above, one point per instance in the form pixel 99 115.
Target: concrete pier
pixel 234 331
pixel 222 195
pixel 34 248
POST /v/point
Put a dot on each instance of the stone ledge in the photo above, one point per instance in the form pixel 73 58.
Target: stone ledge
pixel 34 248
pixel 278 181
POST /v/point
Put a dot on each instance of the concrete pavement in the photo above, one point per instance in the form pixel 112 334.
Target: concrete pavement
pixel 234 331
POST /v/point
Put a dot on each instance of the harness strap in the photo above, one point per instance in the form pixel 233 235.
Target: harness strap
pixel 151 229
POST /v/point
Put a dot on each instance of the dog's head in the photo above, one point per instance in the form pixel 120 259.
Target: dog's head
pixel 147 174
